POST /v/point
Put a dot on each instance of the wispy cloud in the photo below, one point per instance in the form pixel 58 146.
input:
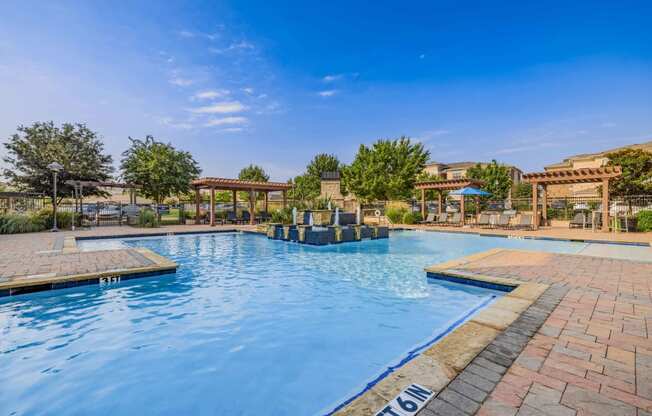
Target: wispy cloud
pixel 220 108
pixel 236 46
pixel 170 122
pixel 232 129
pixel 186 34
pixel 226 121
pixel 181 82
pixel 210 94
pixel 248 90
pixel 608 124
pixel 333 77
pixel 431 134
pixel 423 55
pixel 327 93
pixel 527 148
pixel 190 34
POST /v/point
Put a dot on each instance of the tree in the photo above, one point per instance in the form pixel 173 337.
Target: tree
pixel 523 190
pixel 159 168
pixel 252 173
pixel 637 172
pixel 387 170
pixel 77 148
pixel 496 177
pixel 307 186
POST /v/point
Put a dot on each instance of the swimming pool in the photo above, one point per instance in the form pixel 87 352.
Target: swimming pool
pixel 246 326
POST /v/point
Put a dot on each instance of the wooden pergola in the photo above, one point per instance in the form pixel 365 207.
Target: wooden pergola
pixel 235 185
pixel 445 185
pixel 571 176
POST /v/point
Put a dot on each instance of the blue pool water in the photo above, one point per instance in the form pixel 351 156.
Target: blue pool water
pixel 247 326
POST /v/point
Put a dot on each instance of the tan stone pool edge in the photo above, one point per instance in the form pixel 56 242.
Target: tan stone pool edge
pixel 152 264
pixel 441 363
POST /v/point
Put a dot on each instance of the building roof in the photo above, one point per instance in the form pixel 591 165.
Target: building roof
pixel 568 162
pixel 238 184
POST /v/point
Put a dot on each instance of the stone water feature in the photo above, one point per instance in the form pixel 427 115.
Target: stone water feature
pixel 321 227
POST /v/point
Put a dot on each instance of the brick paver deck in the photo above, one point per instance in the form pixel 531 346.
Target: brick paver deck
pixel 591 356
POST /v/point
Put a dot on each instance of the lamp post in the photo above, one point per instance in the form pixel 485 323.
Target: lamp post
pixel 55 168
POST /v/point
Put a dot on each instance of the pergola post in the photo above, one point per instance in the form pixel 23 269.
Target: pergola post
pixel 235 203
pixel 535 205
pixel 462 210
pixel 266 202
pixel 197 202
pixel 439 203
pixel 544 203
pixel 605 205
pixel 212 206
pixel 423 204
pixel 285 199
pixel 477 207
pixel 252 207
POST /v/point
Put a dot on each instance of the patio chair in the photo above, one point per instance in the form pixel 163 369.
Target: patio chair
pixel 484 221
pixel 525 223
pixel 245 217
pixel 578 221
pixel 231 217
pixel 429 219
pixel 503 221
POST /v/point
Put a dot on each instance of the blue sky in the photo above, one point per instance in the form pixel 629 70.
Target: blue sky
pixel 273 83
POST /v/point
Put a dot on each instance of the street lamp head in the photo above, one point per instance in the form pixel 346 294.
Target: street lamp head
pixel 56 167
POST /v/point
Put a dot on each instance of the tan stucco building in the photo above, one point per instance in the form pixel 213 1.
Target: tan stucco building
pixel 458 170
pixel 588 160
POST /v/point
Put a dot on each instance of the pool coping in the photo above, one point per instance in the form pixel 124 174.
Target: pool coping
pixel 440 363
pixel 527 237
pixel 50 281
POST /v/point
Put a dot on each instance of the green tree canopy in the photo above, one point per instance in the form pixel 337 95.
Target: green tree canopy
pixel 385 171
pixel 77 148
pixel 496 177
pixel 637 172
pixel 159 168
pixel 307 186
pixel 523 190
pixel 252 173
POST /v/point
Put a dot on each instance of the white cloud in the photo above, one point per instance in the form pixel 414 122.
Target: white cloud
pixel 181 82
pixel 333 77
pixel 242 45
pixel 423 55
pixel 327 93
pixel 431 134
pixel 169 122
pixel 248 90
pixel 186 34
pixel 210 94
pixel 233 129
pixel 608 124
pixel 220 108
pixel 225 121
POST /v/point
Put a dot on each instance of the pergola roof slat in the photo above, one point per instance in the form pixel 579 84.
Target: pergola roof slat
pixel 449 185
pixel 569 176
pixel 238 184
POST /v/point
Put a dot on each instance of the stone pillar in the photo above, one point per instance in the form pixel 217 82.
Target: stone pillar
pixel 197 203
pixel 252 207
pixel 423 204
pixel 212 207
pixel 544 204
pixel 535 205
pixel 605 205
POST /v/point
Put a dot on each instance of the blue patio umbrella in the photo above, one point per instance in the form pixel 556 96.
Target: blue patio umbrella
pixel 469 191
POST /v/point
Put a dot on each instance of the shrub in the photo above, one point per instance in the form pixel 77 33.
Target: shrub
pixel 395 215
pixel 64 218
pixel 21 223
pixel 283 216
pixel 644 220
pixel 147 219
pixel 412 218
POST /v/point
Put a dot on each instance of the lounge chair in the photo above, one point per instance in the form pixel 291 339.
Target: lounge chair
pixel 245 217
pixel 503 221
pixel 455 220
pixel 525 223
pixel 429 219
pixel 484 221
pixel 442 219
pixel 578 221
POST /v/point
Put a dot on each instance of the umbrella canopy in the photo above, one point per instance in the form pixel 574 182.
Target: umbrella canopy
pixel 470 191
